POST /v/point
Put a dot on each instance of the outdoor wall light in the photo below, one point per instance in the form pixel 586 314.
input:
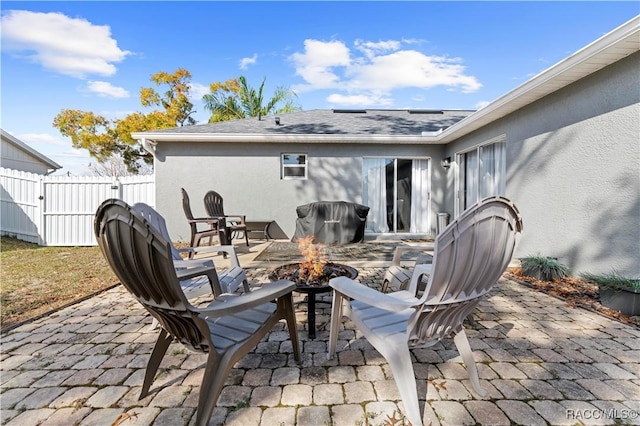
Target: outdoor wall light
pixel 277 121
pixel 446 163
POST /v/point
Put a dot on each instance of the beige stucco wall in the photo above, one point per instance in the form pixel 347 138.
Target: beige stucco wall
pixel 573 169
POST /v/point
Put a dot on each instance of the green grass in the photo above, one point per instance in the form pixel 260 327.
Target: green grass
pixel 37 279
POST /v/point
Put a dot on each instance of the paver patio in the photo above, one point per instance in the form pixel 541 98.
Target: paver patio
pixel 542 362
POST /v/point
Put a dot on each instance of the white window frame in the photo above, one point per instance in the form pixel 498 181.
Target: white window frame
pixel 284 167
pixel 460 171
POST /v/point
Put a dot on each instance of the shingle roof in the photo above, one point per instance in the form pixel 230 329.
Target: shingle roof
pixel 333 122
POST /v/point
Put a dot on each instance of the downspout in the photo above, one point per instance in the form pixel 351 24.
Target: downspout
pixel 149 146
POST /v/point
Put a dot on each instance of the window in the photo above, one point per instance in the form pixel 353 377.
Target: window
pixel 293 166
pixel 482 172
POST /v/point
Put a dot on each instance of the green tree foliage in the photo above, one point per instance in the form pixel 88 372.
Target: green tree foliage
pixel 105 138
pixel 235 99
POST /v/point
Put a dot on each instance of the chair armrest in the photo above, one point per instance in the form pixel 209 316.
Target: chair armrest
pixel 210 220
pixel 208 271
pixel 230 250
pixel 192 263
pixel 240 217
pixel 394 302
pixel 400 251
pixel 228 304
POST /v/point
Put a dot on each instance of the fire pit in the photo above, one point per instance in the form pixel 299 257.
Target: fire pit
pixel 292 272
pixel 312 276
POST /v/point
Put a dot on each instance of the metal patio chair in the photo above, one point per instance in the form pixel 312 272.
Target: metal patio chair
pixel 227 329
pixel 470 255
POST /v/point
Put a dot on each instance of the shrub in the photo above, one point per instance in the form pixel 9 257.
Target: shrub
pixel 543 268
pixel 613 280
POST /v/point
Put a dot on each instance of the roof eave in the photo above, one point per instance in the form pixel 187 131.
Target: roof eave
pixel 284 138
pixel 613 46
pixel 38 155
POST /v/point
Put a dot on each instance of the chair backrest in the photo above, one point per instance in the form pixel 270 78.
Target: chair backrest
pixel 213 204
pixel 156 220
pixel 186 205
pixel 470 255
pixel 141 258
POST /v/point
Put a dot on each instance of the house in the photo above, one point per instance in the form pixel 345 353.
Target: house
pixel 17 155
pixel 564 146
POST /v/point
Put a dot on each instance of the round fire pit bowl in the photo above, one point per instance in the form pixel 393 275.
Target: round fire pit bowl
pixel 291 271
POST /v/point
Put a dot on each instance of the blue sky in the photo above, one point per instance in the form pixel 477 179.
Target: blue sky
pixel 96 56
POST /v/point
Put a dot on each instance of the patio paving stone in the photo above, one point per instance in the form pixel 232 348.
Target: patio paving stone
pixel 541 362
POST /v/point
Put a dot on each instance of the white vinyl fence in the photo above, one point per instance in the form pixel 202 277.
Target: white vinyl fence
pixel 59 210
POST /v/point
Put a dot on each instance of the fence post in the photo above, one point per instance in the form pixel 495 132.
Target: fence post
pixel 40 225
pixel 117 187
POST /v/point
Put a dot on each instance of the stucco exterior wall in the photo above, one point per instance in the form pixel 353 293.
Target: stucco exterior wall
pixel 573 170
pixel 247 175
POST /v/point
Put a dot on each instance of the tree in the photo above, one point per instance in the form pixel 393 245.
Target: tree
pixel 115 167
pixel 235 99
pixel 105 138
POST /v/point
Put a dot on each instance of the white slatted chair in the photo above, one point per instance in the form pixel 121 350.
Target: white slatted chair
pixel 470 255
pixel 226 280
pixel 398 275
pixel 230 279
pixel 226 330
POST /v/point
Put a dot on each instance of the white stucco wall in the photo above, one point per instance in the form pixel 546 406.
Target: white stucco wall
pixel 248 177
pixel 573 170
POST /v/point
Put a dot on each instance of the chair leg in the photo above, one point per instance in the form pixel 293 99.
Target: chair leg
pixel 286 304
pixel 399 360
pixel 245 286
pixel 462 343
pixel 336 319
pixel 162 344
pixel 215 374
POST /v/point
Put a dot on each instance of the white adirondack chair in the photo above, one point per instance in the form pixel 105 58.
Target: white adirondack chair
pixel 189 271
pixel 398 275
pixel 227 329
pixel 470 255
pixel 230 279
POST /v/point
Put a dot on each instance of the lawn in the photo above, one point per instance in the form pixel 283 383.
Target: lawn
pixel 36 279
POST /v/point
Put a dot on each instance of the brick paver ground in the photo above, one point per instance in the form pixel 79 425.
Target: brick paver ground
pixel 541 361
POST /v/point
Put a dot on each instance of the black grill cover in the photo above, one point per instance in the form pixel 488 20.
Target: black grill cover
pixel 332 222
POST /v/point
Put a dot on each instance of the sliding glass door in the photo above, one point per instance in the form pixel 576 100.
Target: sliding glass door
pixel 397 190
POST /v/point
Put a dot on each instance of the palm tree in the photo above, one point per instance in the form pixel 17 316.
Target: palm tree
pixel 235 99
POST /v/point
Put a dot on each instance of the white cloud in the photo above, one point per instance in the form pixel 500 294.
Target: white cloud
pixel 359 100
pixel 245 62
pixel 317 62
pixel 43 139
pixel 198 90
pixel 106 89
pixel 482 104
pixel 70 46
pixel 373 70
pixel 370 48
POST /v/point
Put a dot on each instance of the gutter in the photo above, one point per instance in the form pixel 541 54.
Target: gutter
pixel 152 140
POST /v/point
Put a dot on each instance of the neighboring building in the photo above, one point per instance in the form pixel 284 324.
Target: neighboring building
pixel 17 155
pixel 564 146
